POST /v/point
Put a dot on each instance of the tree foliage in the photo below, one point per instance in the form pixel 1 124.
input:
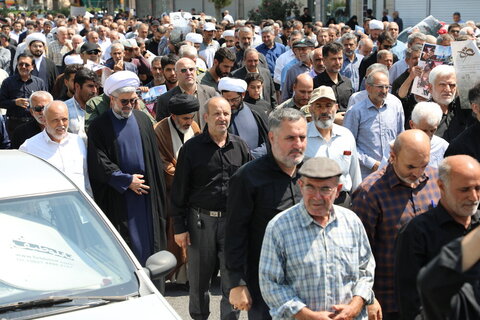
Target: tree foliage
pixel 275 9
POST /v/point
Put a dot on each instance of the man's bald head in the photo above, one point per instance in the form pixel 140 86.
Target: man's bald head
pixel 459 183
pixel 410 155
pixel 303 88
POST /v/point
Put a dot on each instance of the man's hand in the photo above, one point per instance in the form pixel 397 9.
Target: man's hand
pixel 415 71
pixel 240 298
pixel 118 66
pixel 375 311
pixel 349 311
pixel 138 185
pixel 21 102
pixel 339 116
pixel 375 166
pixel 307 314
pixel 182 240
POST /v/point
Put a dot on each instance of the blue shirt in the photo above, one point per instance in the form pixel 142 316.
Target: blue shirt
pixel 399 49
pixel 350 69
pixel 373 128
pixel 286 68
pixel 271 54
pixel 303 264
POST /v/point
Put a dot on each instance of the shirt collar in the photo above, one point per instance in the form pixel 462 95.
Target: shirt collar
pixel 48 140
pixel 443 216
pixel 306 219
pixel 313 130
pixel 394 181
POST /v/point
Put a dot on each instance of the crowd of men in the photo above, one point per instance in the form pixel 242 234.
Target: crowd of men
pixel 292 156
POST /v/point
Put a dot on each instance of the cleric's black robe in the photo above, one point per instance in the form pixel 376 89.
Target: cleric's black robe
pixel 103 160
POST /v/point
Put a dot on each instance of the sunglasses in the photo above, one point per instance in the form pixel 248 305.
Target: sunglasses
pixel 387 47
pixel 184 70
pixel 126 102
pixel 93 52
pixel 38 108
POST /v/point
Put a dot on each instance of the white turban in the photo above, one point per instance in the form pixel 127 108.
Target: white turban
pixel 194 37
pixel 376 25
pixel 228 33
pixel 232 84
pixel 119 80
pixel 73 59
pixel 37 36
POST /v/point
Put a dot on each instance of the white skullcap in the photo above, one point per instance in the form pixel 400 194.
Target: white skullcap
pixel 229 33
pixel 37 36
pixel 73 59
pixel 208 26
pixel 194 37
pixel 375 25
pixel 120 79
pixel 232 84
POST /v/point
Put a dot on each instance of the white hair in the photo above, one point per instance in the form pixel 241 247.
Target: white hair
pixel 429 111
pixel 440 71
pixel 187 51
pixel 38 94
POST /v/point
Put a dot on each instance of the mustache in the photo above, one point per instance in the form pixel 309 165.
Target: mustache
pixel 296 151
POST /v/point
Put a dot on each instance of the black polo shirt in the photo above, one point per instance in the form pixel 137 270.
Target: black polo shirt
pixel 202 174
pixel 343 89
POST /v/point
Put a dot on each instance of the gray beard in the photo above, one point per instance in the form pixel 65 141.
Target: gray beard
pixel 324 124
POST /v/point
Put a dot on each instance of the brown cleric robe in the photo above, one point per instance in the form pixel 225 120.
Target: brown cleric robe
pixel 169 144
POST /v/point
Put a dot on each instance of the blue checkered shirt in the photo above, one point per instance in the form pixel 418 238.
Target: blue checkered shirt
pixel 303 264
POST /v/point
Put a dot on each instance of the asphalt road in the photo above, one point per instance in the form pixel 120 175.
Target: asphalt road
pixel 177 296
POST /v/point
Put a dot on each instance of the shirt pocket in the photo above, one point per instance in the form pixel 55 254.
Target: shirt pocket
pixel 346 252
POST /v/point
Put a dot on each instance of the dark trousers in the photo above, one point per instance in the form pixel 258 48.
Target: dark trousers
pixel 391 316
pixel 259 309
pixel 13 123
pixel 207 247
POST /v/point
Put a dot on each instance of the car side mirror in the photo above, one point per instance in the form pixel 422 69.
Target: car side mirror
pixel 160 264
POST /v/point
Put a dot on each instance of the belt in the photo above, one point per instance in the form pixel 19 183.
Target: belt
pixel 210 213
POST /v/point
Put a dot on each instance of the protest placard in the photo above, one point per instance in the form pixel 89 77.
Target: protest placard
pixel 466 60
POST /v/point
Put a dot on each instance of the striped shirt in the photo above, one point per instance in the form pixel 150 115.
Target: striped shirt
pixel 305 264
pixel 385 204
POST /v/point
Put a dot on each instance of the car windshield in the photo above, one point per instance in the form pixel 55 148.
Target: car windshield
pixel 57 244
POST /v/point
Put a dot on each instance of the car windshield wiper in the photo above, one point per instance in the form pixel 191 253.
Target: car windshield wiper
pixel 50 301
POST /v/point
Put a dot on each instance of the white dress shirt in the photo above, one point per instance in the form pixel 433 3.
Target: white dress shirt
pixel 68 156
pixel 341 147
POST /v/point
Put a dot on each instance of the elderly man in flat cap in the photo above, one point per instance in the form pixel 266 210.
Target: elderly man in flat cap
pixel 249 122
pixel 172 132
pixel 316 262
pixel 126 170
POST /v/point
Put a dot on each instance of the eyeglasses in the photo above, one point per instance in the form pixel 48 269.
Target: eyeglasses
pixel 381 86
pixel 184 70
pixel 386 46
pixel 23 64
pixel 234 100
pixel 126 102
pixel 324 191
pixel 93 52
pixel 38 108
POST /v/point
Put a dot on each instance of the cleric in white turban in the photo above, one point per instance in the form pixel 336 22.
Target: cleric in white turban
pixel 45 69
pixel 232 84
pixel 125 168
pixel 248 120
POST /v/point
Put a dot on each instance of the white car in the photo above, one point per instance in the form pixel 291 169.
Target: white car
pixel 60 256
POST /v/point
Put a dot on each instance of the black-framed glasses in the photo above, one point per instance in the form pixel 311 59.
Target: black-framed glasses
pixel 386 46
pixel 93 52
pixel 184 70
pixel 234 100
pixel 38 108
pixel 126 102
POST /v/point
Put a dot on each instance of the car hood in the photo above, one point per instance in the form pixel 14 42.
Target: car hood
pixel 152 306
